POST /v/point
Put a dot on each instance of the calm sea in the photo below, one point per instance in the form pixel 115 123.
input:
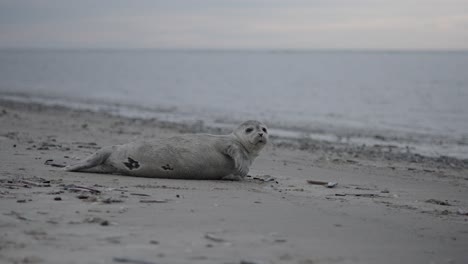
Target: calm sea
pixel 412 97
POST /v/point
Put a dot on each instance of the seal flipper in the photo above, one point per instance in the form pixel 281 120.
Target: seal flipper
pixel 232 177
pixel 96 159
pixel 240 164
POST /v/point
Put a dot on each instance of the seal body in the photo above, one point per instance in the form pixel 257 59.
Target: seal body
pixel 192 156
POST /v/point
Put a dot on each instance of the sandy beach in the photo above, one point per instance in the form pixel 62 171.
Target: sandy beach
pixel 385 208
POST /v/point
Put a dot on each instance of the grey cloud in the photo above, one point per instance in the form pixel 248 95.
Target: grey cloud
pixel 235 24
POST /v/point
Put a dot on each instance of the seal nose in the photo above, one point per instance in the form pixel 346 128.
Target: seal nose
pixel 260 134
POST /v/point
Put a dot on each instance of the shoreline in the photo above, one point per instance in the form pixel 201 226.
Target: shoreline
pixel 382 209
pixel 390 145
pixel 391 149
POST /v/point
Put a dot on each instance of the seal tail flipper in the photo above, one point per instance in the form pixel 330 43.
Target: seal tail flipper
pixel 96 159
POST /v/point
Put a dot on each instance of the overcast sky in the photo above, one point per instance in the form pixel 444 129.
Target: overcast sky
pixel 235 24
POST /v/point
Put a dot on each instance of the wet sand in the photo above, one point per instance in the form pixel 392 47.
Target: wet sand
pixel 385 208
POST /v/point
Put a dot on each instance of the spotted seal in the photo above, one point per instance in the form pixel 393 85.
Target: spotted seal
pixel 191 156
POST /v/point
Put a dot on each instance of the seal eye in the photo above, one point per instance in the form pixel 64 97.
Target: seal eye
pixel 264 130
pixel 248 130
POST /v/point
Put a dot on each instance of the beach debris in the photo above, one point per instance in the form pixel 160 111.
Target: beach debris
pixel 110 200
pixel 39 183
pixel 114 239
pixel 439 202
pixel 87 198
pixel 250 262
pixel 131 261
pixel 274 238
pixel 25 183
pixel 280 240
pixel 30 259
pixel 97 220
pixel 37 234
pixel 17 215
pixel 462 212
pixel 82 196
pixel 52 222
pixel 51 162
pixel 55 192
pixel 327 184
pixel 93 219
pixel 363 188
pixel 155 201
pixel 10 185
pixel 263 178
pixel 78 188
pixel 140 194
pixel 214 238
pixel 11 135
pixel 350 161
pixel 443 212
pixel 366 195
pixel 89 145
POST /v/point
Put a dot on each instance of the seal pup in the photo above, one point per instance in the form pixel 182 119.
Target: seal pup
pixel 191 156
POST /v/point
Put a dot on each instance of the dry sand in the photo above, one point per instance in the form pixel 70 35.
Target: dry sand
pixel 382 211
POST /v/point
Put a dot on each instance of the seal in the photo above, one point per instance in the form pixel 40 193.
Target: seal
pixel 191 156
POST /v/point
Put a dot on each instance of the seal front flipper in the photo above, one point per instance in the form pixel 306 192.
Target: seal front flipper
pixel 240 162
pixel 232 177
pixel 92 161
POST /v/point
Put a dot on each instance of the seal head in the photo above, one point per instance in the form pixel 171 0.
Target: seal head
pixel 253 136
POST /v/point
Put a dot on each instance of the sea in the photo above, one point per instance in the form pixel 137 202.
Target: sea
pixel 416 100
